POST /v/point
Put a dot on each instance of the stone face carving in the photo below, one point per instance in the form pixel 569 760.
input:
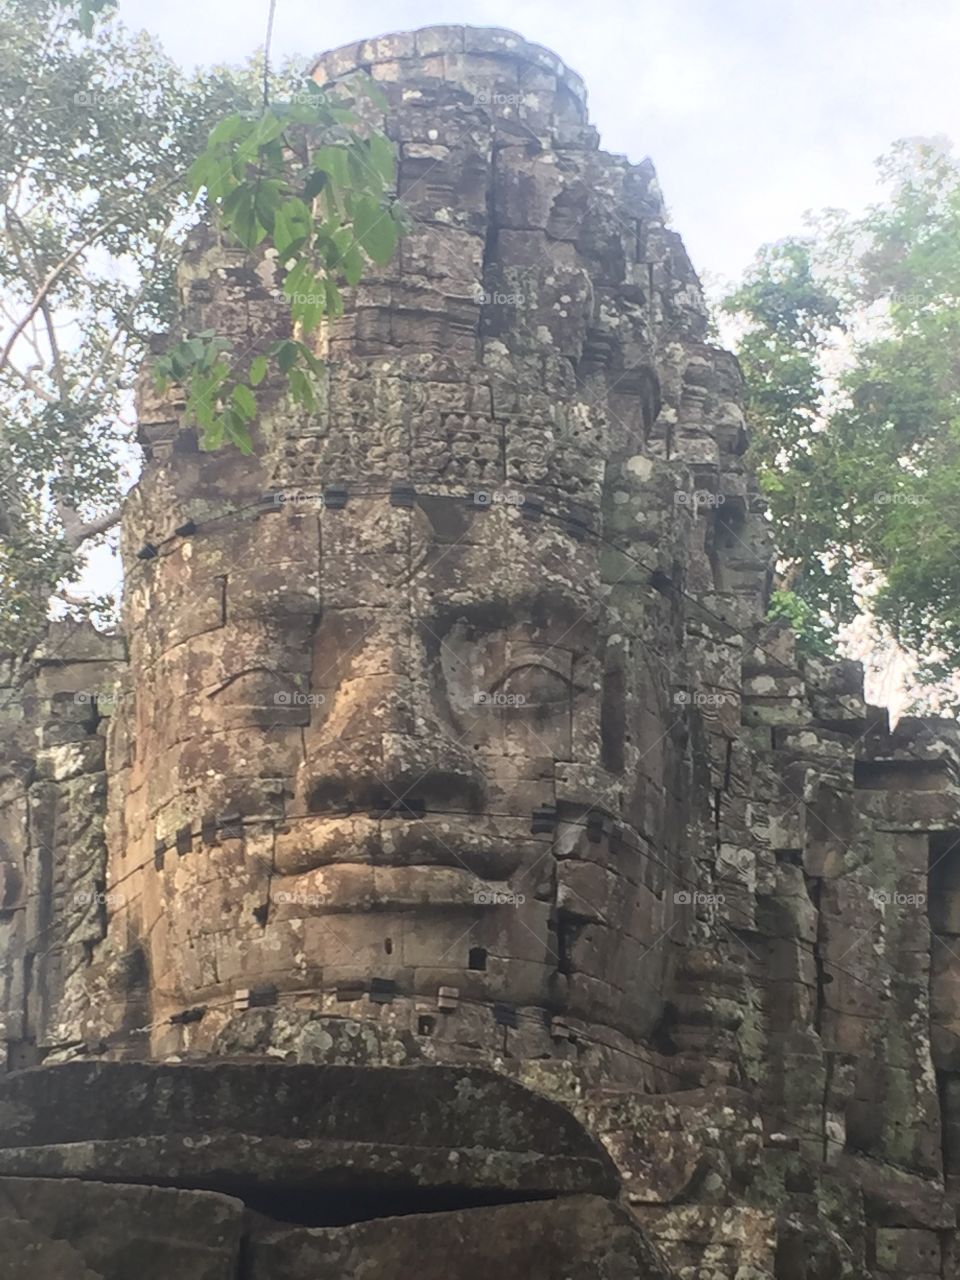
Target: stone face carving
pixel 447 733
pixel 401 702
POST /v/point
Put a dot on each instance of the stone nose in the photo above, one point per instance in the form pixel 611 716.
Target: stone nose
pixel 382 740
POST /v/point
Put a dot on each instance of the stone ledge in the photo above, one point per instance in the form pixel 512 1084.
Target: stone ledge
pixel 224 1125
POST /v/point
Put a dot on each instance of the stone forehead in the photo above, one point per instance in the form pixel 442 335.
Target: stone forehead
pixel 538 320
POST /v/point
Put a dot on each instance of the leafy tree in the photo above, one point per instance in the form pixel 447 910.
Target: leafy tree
pixel 106 159
pixel 851 351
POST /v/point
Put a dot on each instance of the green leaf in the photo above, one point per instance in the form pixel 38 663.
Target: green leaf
pixel 315 184
pixel 258 371
pixel 333 161
pixel 374 229
pixel 226 130
pixel 352 265
pixel 240 217
pixel 294 223
pixel 307 307
pixel 297 280
pixel 199 174
pixel 301 388
pixel 310 360
pixel 287 353
pixel 362 175
pixel 212 436
pixel 244 401
pixel 236 432
pixel 269 127
pixel 382 157
pixel 266 200
pixel 334 299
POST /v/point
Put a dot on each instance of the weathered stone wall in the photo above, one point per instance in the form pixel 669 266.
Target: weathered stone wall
pixel 53 858
pixel 451 731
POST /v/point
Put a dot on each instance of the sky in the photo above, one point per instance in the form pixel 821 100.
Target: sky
pixel 753 111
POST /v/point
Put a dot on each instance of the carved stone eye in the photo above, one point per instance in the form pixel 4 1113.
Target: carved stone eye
pixel 535 686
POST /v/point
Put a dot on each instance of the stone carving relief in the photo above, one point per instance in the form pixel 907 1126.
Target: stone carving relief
pixel 446 733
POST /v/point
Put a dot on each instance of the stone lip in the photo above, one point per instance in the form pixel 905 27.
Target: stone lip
pixel 224 1124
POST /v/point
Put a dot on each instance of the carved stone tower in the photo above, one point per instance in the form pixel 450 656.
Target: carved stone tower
pixel 448 737
pixel 404 736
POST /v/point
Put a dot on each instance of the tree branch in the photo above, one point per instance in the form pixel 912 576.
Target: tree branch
pixel 77 531
pixel 29 383
pixel 51 279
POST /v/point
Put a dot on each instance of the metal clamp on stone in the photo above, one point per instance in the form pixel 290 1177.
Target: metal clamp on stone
pixel 230 826
pixel 448 998
pixel 335 497
pixel 403 495
pixel 543 820
pixel 382 990
pixel 255 997
pixel 505 1015
pixel 355 989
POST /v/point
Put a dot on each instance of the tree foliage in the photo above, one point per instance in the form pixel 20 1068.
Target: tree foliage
pixel 851 351
pixel 108 154
pixel 305 178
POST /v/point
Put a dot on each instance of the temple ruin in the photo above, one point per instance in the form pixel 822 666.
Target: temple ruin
pixel 447 868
